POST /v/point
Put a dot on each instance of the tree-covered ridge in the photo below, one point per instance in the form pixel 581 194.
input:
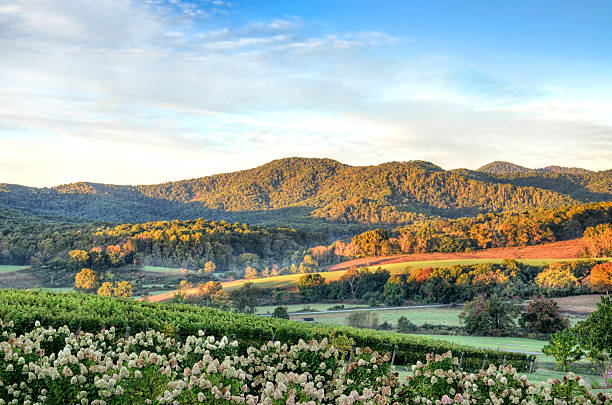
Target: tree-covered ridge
pixel 500 167
pixel 308 191
pixel 489 231
pixel 26 239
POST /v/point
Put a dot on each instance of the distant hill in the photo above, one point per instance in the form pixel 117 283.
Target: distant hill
pixel 499 167
pixel 300 191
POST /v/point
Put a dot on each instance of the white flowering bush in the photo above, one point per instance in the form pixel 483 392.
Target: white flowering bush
pixel 438 381
pixel 57 366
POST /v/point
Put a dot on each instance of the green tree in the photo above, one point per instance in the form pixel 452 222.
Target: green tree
pixel 404 325
pixel 280 312
pixel 363 319
pixel 489 316
pixel 594 332
pixel 244 299
pixel 312 286
pixel 543 315
pixel 395 291
pixel 563 346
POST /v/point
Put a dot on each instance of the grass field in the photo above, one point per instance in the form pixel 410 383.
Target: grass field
pixel 165 270
pixel 419 316
pixel 299 307
pixel 10 268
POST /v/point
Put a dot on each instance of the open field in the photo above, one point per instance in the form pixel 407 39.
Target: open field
pixel 164 270
pixel 299 307
pixel 563 250
pixel 579 305
pixel 18 279
pixel 419 316
pixel 7 268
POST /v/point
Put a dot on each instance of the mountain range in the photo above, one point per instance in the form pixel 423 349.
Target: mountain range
pixel 302 191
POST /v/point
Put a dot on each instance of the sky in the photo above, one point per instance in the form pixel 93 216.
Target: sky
pixel 143 92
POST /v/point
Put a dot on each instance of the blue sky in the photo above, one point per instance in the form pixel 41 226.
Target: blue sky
pixel 128 92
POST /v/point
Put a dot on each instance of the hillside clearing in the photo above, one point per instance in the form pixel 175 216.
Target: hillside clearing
pixel 569 249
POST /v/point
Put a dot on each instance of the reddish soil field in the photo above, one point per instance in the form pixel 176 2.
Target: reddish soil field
pixel 569 249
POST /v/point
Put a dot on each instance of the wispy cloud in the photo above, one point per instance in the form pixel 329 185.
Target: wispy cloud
pixel 174 81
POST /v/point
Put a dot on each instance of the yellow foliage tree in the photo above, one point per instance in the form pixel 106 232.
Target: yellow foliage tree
pixel 209 267
pixel 250 273
pixel 122 289
pixel 106 289
pixel 85 279
pixel 557 275
pixel 209 289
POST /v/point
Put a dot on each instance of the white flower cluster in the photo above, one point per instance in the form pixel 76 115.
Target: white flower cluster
pixel 56 366
pixel 439 382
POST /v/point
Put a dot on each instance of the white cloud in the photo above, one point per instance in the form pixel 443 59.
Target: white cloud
pixel 142 82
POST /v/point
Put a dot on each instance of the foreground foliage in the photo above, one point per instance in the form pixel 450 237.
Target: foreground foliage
pixel 93 313
pixel 58 366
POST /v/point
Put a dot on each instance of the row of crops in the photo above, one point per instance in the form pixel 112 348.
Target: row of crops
pixel 90 313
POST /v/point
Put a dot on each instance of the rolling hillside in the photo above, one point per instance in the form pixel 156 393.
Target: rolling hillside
pixel 298 191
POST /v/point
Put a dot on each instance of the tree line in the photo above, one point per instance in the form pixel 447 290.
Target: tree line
pixel 460 283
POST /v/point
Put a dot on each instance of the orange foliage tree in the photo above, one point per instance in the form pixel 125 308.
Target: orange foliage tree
pixel 600 277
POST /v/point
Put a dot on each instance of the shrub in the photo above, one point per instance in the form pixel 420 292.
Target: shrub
pixel 404 325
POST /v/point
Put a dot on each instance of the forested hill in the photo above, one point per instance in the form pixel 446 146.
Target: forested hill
pixel 305 191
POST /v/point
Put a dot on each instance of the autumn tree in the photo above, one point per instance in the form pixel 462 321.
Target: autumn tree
pixel 122 289
pixel 598 240
pixel 558 275
pixel 251 273
pixel 369 242
pixel 86 280
pixel 309 265
pixel 106 289
pixel 543 315
pixel 210 267
pixel 209 289
pixel 78 258
pixel 600 278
